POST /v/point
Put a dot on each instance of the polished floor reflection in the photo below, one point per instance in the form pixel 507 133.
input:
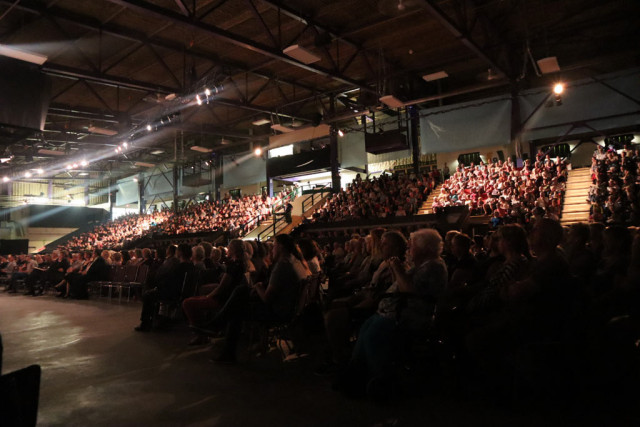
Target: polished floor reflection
pixel 98 371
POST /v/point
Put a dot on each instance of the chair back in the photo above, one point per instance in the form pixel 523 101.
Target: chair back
pixel 119 273
pixel 189 285
pixel 130 272
pixel 142 273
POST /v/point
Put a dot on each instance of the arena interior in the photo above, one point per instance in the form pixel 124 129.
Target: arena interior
pixel 287 212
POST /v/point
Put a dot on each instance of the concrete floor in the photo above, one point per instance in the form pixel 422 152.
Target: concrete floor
pixel 98 371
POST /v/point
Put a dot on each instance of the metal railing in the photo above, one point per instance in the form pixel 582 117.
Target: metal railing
pixel 314 196
pixel 278 215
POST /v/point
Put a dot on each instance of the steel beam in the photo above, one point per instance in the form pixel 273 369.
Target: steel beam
pixel 461 35
pixel 89 22
pixel 226 36
pixel 123 82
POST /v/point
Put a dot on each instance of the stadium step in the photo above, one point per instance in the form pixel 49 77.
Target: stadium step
pixel 570 199
pixel 426 207
pixel 575 209
pixel 575 205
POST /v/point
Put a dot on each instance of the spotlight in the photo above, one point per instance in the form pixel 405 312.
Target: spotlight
pixel 340 133
pixel 125 145
pixel 116 150
pixel 149 128
pixel 84 163
pixel 27 174
pixel 135 179
pixel 69 167
pixel 75 165
pixel 258 151
pixel 198 100
pixel 5 179
pixel 558 88
pixel 39 171
pixel 207 91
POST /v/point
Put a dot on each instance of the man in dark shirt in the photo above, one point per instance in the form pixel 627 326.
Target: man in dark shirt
pixel 168 284
pixel 97 270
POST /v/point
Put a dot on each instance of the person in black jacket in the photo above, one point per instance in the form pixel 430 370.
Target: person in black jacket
pixel 168 284
pixel 97 270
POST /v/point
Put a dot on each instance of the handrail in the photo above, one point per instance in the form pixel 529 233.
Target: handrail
pixel 277 216
pixel 325 188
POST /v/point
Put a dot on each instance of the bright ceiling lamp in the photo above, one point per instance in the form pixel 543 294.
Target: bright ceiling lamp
pixel 22 55
pixel 392 101
pixel 301 54
pixel 558 88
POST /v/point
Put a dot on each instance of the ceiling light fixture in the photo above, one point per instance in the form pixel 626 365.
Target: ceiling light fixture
pixel 281 128
pixel 258 151
pixel 261 122
pixel 548 65
pixel 6 179
pixel 558 88
pixel 435 76
pixel 340 133
pixel 50 152
pixel 27 174
pixel 149 128
pixel 301 54
pixel 144 164
pixel 201 149
pixel 102 131
pixel 392 101
pixel 22 55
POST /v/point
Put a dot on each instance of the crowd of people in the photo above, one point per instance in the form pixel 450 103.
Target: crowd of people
pixel 491 301
pixel 238 216
pixel 385 196
pixel 506 192
pixel 615 191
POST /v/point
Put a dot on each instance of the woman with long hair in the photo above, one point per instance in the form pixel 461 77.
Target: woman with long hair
pixel 235 275
pixel 275 301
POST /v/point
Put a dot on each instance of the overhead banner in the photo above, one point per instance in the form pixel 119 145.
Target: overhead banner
pixel 604 102
pixel 243 169
pixel 466 126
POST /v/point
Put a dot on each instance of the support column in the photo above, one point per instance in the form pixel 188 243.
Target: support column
pixel 141 201
pixel 413 119
pixel 112 196
pixel 333 147
pixel 175 187
pixel 516 123
pixel 335 166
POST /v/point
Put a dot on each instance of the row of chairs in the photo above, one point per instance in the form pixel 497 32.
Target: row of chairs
pixel 121 278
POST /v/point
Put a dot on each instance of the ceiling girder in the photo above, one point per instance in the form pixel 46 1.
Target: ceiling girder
pixel 91 23
pixel 74 73
pixel 462 35
pixel 234 39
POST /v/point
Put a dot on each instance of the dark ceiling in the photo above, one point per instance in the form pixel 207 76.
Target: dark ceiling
pixel 121 64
